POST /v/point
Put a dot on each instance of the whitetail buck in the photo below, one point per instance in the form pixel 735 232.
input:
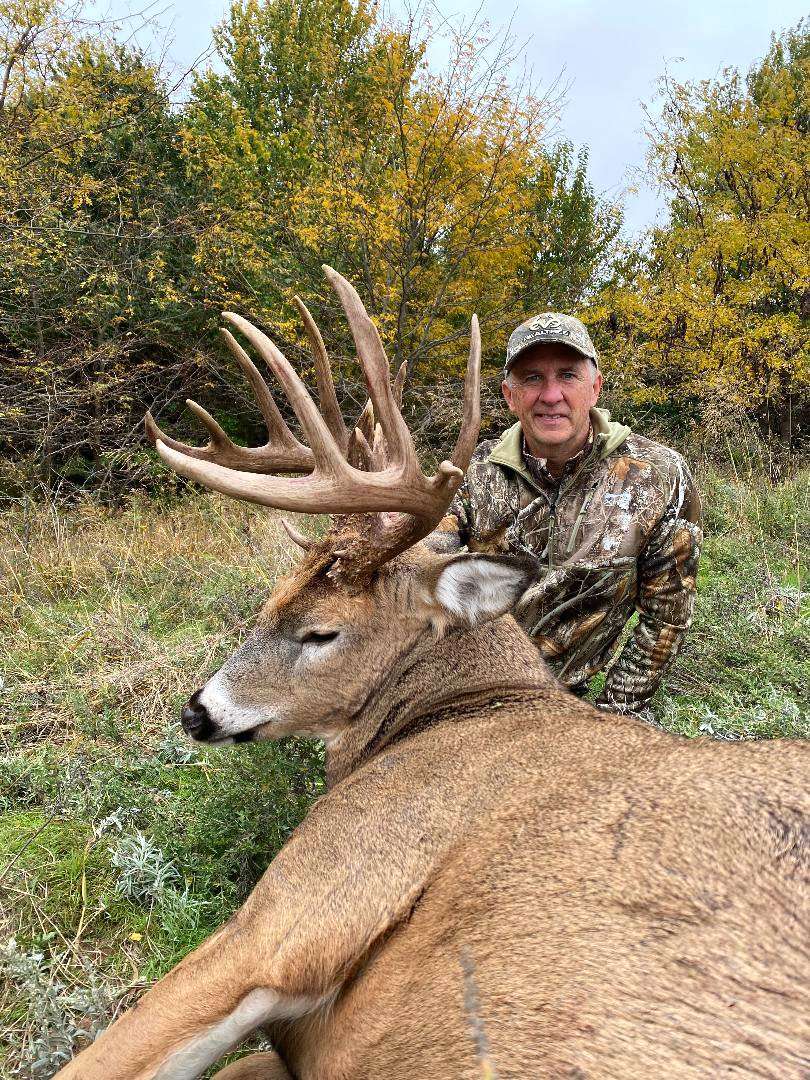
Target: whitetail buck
pixel 501 880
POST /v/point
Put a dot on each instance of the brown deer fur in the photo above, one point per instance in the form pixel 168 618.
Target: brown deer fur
pixel 500 880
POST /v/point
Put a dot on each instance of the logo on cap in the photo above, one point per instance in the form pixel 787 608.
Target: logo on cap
pixel 545 325
pixel 551 326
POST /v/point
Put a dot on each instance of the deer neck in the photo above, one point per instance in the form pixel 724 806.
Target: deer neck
pixel 434 679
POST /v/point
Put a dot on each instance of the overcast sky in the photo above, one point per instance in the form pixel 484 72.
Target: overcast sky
pixel 610 55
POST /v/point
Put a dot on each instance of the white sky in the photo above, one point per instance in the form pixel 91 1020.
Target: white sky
pixel 610 54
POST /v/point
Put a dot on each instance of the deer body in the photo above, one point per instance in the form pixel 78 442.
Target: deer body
pixel 600 942
pixel 598 897
pixel 500 880
pixel 639 916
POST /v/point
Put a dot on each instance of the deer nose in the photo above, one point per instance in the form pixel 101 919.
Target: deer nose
pixel 195 718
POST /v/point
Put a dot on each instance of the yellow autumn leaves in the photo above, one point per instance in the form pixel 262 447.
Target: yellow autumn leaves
pixel 326 132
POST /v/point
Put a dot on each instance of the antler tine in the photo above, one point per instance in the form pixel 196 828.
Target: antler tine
pixel 218 442
pixel 219 439
pixel 359 453
pixel 365 421
pixel 372 357
pixel 330 410
pixel 290 456
pixel 399 383
pixel 276 425
pixel 298 538
pixel 155 434
pixel 379 449
pixel 471 413
pixel 328 455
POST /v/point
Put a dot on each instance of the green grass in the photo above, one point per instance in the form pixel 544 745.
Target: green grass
pixel 122 846
pixel 744 671
pixel 108 620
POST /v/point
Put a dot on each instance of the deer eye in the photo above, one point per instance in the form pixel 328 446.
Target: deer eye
pixel 318 637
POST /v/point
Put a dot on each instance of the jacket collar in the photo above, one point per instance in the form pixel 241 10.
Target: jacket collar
pixel 607 437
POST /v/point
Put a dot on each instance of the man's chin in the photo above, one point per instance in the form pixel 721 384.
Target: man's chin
pixel 552 434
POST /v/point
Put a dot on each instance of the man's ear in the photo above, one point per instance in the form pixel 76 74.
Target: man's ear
pixel 597 387
pixel 506 390
pixel 472 589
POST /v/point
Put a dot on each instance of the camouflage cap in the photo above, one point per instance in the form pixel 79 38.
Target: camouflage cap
pixel 550 327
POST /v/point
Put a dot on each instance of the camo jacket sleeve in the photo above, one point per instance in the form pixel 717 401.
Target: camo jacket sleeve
pixel 453 531
pixel 667 570
pixel 451 534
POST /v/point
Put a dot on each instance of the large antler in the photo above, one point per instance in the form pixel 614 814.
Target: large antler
pixel 392 483
pixel 282 452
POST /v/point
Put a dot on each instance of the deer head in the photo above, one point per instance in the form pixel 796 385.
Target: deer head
pixel 367 595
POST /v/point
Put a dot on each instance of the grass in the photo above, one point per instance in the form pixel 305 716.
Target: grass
pixel 744 671
pixel 122 845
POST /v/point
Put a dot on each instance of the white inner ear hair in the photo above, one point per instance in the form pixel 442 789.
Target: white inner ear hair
pixel 477 589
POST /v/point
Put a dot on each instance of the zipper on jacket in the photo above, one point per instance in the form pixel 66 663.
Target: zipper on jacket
pixel 553 500
pixel 552 521
pixel 552 510
pixel 577 524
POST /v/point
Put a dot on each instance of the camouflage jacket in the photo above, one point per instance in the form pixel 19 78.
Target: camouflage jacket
pixel 619 531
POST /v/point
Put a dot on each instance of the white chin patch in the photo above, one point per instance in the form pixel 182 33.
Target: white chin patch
pixel 230 717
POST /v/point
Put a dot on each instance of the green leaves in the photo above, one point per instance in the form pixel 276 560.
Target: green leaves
pixel 322 135
pixel 718 311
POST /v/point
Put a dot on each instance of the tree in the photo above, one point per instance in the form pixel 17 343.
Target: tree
pixel 329 138
pixel 323 136
pixel 573 236
pixel 93 301
pixel 716 313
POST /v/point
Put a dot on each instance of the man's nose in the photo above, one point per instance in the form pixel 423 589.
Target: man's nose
pixel 195 718
pixel 551 392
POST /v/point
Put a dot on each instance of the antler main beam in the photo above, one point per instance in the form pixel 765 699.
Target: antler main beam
pixel 393 481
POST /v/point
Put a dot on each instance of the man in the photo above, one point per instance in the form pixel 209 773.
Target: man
pixel 613 519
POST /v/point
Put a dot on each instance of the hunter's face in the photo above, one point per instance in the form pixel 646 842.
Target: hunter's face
pixel 551 389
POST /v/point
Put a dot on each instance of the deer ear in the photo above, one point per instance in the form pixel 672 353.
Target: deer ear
pixel 475 588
